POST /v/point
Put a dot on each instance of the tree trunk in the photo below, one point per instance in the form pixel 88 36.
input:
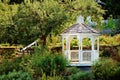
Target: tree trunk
pixel 43 40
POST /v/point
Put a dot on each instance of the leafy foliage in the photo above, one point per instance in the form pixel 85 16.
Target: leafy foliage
pixel 16 75
pixel 110 24
pixel 25 22
pixel 106 69
pixel 109 40
pixel 50 64
pixel 7 66
pixel 15 24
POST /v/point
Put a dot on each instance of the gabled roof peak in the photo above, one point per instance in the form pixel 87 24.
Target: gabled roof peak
pixel 80 28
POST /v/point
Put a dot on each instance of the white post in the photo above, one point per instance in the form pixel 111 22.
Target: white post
pixel 63 44
pixel 68 47
pixel 79 43
pixel 69 43
pixel 92 55
pixel 97 47
pixel 98 43
pixel 81 51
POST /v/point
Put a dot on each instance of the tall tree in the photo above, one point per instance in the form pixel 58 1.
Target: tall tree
pixel 45 15
pixel 56 15
pixel 50 16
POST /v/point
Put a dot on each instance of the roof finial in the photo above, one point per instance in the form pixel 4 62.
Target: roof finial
pixel 80 19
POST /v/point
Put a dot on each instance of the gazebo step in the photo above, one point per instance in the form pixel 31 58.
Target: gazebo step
pixel 80 63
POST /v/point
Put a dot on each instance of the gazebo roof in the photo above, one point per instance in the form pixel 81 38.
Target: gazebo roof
pixel 80 29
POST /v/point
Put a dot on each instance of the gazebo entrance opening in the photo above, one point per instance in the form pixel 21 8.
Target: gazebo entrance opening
pixel 80 45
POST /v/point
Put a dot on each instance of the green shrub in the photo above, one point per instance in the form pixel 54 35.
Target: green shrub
pixel 106 69
pixel 8 66
pixel 110 24
pixel 24 64
pixel 59 63
pixel 48 63
pixel 16 75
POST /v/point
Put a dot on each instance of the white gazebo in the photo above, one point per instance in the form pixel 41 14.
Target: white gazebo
pixel 80 56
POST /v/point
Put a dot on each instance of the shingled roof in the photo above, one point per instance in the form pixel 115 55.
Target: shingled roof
pixel 80 28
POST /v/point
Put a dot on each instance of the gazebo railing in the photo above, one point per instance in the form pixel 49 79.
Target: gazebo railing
pixel 81 56
pixel 74 55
